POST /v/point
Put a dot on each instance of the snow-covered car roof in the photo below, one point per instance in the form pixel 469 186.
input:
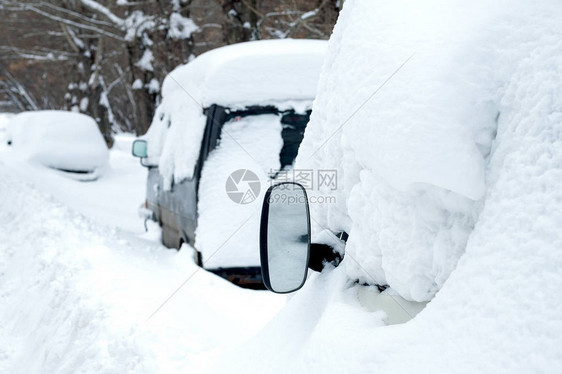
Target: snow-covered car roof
pixel 283 73
pixel 258 72
pixel 58 139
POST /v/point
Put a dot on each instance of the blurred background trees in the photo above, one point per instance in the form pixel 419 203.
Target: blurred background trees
pixel 108 58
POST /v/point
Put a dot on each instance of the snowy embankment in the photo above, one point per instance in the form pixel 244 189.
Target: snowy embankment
pixel 75 296
pixel 78 282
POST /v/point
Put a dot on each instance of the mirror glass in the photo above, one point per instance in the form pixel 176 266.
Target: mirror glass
pixel 140 148
pixel 288 237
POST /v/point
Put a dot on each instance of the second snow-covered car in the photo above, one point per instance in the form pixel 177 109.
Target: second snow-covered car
pixel 67 142
pixel 229 121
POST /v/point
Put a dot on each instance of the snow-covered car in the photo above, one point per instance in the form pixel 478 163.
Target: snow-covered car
pixel 229 121
pixel 443 122
pixel 68 142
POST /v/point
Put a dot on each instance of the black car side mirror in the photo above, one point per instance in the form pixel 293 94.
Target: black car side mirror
pixel 285 237
pixel 285 250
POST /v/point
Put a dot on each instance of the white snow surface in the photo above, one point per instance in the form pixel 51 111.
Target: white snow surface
pixel 228 232
pixel 137 84
pixel 412 144
pixel 79 279
pixel 153 86
pixel 283 73
pixel 181 27
pixel 75 295
pixel 414 163
pixel 58 139
pixel 145 62
pixel 4 120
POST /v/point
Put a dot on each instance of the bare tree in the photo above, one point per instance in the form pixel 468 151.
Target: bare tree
pixel 108 58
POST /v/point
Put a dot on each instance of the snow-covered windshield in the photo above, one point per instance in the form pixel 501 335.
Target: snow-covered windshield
pixel 233 181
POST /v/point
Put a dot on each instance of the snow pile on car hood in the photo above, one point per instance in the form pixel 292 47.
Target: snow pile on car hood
pixel 283 73
pixel 58 139
pixel 499 311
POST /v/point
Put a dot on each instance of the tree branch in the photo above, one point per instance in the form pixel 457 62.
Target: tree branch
pixel 69 39
pixel 21 90
pixel 72 23
pixel 94 5
pixel 76 14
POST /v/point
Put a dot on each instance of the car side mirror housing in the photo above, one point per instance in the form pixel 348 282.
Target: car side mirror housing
pixel 140 148
pixel 285 237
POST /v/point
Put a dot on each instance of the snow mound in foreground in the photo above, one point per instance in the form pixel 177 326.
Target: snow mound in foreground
pixel 407 111
pixel 75 296
pixel 58 139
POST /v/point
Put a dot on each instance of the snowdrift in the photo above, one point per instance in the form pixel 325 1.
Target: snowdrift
pixel 420 90
pixel 75 295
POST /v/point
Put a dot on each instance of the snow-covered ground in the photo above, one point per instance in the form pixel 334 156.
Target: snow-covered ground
pixel 450 186
pixel 79 279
